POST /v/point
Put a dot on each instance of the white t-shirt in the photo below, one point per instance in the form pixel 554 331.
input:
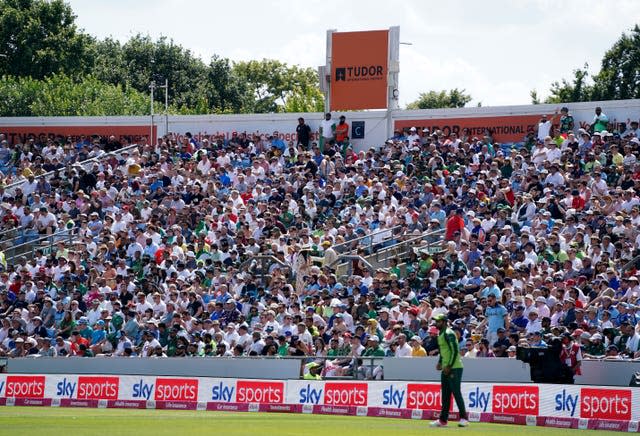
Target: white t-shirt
pixel 404 351
pixel 543 129
pixel 327 130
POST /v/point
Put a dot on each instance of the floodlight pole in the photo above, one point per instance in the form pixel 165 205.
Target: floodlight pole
pixel 166 105
pixel 393 63
pixel 152 87
pixel 328 71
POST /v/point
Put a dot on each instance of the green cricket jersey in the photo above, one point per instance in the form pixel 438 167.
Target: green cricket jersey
pixel 449 351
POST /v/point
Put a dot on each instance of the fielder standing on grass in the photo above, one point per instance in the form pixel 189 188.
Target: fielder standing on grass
pixel 451 365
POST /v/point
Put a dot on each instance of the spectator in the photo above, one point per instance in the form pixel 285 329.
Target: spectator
pixel 162 234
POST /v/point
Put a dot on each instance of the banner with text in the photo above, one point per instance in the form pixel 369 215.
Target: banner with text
pixel 21 134
pixel 504 128
pixel 359 70
pixel 545 405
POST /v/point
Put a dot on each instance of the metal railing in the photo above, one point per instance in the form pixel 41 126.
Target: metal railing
pixel 356 243
pixel 380 254
pixel 404 247
pixel 46 243
pixel 259 266
pixel 9 189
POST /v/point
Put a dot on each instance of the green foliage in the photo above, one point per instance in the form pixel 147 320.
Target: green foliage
pixel 59 95
pixel 39 38
pixel 576 90
pixel 141 60
pixel 226 92
pixel 534 97
pixel 619 76
pixel 272 83
pixel 442 99
pixel 52 68
pixel 310 100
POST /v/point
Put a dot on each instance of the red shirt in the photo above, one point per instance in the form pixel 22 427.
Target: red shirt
pixel 342 131
pixel 454 224
pixel 571 356
pixel 578 202
pixel 75 346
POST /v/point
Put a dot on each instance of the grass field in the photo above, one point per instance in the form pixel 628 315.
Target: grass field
pixel 16 421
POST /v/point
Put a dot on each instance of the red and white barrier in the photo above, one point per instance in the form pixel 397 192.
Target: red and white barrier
pixel 563 406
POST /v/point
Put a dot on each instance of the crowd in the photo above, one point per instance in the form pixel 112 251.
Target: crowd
pixel 540 240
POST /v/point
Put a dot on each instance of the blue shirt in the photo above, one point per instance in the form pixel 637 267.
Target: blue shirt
pixel 495 317
pixel 492 290
pixel 278 143
pixel 156 185
pixel 520 321
pixel 97 336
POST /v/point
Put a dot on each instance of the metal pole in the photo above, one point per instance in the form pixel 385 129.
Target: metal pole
pixel 166 106
pixel 328 63
pixel 393 63
pixel 152 86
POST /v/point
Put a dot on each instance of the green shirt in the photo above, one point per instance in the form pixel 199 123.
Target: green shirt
pixel 448 346
pixel 373 352
pixel 565 123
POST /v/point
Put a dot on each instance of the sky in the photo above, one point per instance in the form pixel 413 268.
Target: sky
pixel 498 51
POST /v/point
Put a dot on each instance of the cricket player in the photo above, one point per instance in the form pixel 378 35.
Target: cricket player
pixel 450 364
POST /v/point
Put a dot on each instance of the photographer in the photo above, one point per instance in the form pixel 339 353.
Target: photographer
pixel 571 357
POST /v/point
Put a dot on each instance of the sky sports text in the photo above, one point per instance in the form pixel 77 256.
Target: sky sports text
pixel 23 387
pixel 516 400
pixel 176 389
pixel 605 403
pixel 89 388
pixel 335 394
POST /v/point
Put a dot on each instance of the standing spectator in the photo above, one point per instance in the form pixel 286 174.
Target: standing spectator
pixel 544 127
pixel 304 133
pixel 496 317
pixel 327 131
pixel 600 121
pixel 455 223
pixel 571 357
pixel 566 121
pixel 416 347
pixel 404 349
pixel 342 131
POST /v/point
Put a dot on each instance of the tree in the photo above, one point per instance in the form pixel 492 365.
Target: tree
pixel 619 76
pixel 141 60
pixel 226 92
pixel 60 95
pixel 310 100
pixel 576 90
pixel 534 97
pixel 39 38
pixel 271 83
pixel 442 99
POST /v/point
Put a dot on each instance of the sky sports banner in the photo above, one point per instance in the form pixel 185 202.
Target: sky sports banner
pixel 549 405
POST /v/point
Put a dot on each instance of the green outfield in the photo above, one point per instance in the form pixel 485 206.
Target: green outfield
pixel 16 421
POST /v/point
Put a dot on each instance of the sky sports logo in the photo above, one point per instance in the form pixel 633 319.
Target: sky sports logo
pixel 259 392
pixel 89 388
pixel 335 394
pixel 176 389
pixel 23 387
pixel 605 403
pixel 424 397
pixel 516 400
pixel 359 72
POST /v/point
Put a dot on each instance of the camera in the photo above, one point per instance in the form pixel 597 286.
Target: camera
pixel 544 362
